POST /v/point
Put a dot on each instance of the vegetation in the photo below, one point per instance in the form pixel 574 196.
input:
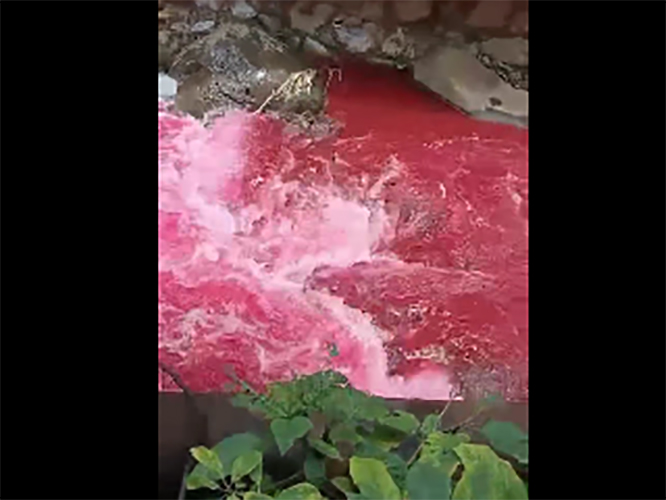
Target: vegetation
pixel 339 442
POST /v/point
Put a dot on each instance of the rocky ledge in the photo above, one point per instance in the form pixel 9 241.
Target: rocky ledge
pixel 259 55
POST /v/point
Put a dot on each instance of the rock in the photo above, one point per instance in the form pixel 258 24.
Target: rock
pixel 167 87
pixel 313 47
pixel 240 65
pixel 190 99
pixel 508 57
pixel 408 11
pixel 242 10
pixel 300 20
pixel 508 50
pixel 406 44
pixel 170 41
pixel 490 14
pixel 273 24
pixel 355 37
pixel 203 26
pixel 515 75
pixel 459 77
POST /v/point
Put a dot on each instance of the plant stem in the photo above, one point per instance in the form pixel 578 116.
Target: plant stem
pixel 420 447
pixel 175 377
pixel 285 481
pixel 465 422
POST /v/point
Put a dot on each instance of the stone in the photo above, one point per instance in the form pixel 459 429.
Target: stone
pixel 170 42
pixel 398 46
pixel 459 77
pixel 202 26
pixel 239 65
pixel 408 11
pixel 407 43
pixel 490 14
pixel 167 87
pixel 508 50
pixel 312 46
pixel 356 38
pixel 242 10
pixel 273 24
pixel 508 58
pixel 302 21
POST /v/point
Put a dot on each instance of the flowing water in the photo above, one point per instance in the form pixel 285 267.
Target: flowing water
pixel 394 250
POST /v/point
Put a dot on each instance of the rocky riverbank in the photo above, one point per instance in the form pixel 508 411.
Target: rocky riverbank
pixel 260 55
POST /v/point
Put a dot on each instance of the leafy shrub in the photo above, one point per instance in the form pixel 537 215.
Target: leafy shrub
pixel 349 444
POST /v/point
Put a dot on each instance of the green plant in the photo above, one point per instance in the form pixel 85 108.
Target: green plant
pixel 348 444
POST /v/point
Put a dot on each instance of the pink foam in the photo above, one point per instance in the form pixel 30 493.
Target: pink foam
pixel 400 245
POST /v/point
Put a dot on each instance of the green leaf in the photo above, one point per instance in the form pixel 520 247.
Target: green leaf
pixel 338 405
pixel 402 421
pixel 344 432
pixel 324 448
pixel 397 467
pixel 373 479
pixel 201 477
pixel 426 482
pixel 367 407
pixel 430 424
pixel 232 497
pixel 315 469
pixel 507 437
pixel 486 476
pixel 368 449
pixel 395 464
pixel 257 474
pixel 439 442
pixel 229 449
pixel 245 464
pixel 437 451
pixel 318 421
pixel 209 459
pixel 267 483
pixel 447 463
pixel 302 491
pixel 344 484
pixel 242 400
pixel 286 431
pixel 385 437
pixel 253 495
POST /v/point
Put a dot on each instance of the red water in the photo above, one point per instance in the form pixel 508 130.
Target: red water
pixel 395 251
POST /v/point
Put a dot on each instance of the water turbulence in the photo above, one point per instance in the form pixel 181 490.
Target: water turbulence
pixel 394 251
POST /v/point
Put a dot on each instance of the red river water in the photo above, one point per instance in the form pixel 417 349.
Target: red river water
pixel 395 251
